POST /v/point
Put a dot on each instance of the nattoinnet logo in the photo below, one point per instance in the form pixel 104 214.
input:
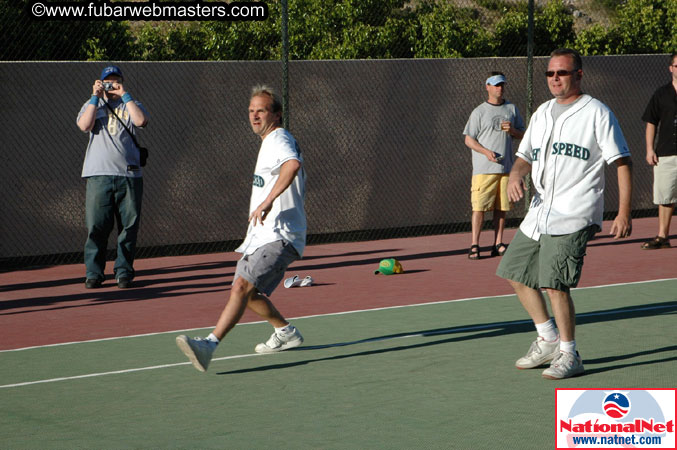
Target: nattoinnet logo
pixel 615 418
pixel 616 405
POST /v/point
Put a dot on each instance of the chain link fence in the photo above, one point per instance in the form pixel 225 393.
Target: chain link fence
pixel 382 138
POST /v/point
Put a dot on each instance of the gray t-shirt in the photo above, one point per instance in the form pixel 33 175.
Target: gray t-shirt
pixel 111 150
pixel 484 125
pixel 557 110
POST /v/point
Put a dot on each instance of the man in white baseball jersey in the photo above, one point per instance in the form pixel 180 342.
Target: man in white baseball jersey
pixel 275 238
pixel 567 142
pixel 661 114
pixel 489 132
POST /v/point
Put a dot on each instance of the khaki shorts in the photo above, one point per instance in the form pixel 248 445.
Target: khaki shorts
pixel 665 181
pixel 266 266
pixel 489 192
pixel 552 262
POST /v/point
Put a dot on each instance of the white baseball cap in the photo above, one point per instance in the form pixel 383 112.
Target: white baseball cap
pixel 495 80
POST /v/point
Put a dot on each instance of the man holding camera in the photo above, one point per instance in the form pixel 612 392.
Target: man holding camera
pixel 113 172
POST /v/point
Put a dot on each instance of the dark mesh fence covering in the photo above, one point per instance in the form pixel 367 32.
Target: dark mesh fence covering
pixel 382 142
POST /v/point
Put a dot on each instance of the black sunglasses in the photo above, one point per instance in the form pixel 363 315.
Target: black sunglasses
pixel 560 73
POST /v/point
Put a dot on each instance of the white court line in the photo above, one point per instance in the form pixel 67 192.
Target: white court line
pixel 101 374
pixel 339 344
pixel 441 302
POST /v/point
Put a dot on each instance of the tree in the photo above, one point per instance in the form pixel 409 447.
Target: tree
pixel 553 28
pixel 25 38
pixel 341 29
pixel 448 31
pixel 643 26
pixel 171 41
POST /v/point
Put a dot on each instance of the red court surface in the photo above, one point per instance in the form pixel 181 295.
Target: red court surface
pixel 50 305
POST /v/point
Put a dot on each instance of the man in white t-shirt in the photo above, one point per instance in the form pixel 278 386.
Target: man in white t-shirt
pixel 276 236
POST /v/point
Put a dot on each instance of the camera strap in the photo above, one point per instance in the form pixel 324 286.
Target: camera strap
pixel 122 123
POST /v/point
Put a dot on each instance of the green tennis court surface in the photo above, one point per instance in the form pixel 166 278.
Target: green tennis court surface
pixel 435 376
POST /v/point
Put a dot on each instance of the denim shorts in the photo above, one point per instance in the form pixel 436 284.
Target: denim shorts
pixel 265 267
pixel 554 261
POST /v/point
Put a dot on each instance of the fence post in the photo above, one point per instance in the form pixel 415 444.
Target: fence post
pixel 530 91
pixel 285 65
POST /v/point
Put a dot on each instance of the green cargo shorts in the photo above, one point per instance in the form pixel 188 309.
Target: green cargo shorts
pixel 554 261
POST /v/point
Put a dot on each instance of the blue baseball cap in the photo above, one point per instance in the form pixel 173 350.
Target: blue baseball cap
pixel 111 70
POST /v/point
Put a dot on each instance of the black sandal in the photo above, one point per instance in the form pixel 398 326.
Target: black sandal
pixel 474 252
pixel 499 250
pixel 656 243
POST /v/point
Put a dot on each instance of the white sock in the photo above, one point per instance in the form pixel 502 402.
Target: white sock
pixel 285 329
pixel 213 338
pixel 547 330
pixel 569 347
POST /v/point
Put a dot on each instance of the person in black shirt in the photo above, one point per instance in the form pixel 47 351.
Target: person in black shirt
pixel 661 113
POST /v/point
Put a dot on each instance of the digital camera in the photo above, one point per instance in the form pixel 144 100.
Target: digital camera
pixel 108 86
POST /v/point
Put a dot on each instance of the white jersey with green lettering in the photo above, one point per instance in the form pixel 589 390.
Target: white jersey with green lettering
pixel 287 218
pixel 569 183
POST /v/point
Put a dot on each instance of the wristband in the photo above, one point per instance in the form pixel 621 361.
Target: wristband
pixel 94 100
pixel 127 97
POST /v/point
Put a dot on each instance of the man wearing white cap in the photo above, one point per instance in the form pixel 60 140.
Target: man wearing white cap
pixel 489 133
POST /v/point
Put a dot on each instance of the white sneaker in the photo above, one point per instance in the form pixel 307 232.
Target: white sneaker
pixel 540 352
pixel 279 342
pixel 566 365
pixel 198 350
pixel 292 282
